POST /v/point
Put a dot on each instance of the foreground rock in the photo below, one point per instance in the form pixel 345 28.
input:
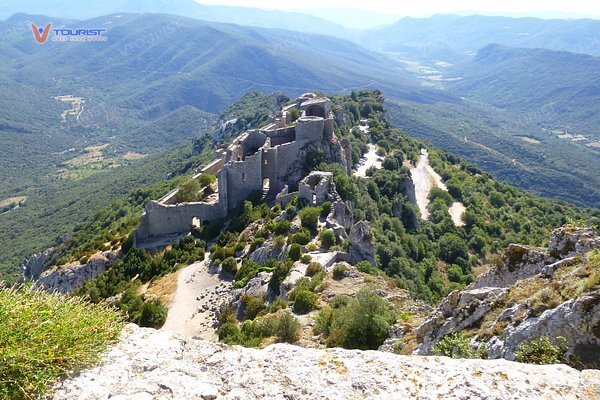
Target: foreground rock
pixel 150 364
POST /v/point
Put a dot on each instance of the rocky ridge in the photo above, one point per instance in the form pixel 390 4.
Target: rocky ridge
pixel 150 364
pixel 534 293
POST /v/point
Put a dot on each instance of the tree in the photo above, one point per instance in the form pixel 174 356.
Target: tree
pixel 295 252
pixel 327 238
pixel 452 247
pixel 309 216
pixel 188 192
pixel 363 324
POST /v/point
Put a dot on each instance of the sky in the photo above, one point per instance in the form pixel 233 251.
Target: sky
pixel 422 8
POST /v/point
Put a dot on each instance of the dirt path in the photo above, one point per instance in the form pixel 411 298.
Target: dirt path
pixel 370 159
pixel 198 295
pixel 425 178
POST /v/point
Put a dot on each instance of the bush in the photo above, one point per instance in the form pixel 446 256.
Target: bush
pixel 339 271
pixel 188 192
pixel 542 351
pixel 456 345
pixel 253 305
pixel 305 259
pixel 206 180
pixel 258 242
pixel 229 265
pixel 279 242
pixel 312 246
pixel 229 333
pixel 301 237
pixel 362 324
pixel 288 328
pixel 295 252
pixel 309 216
pixel 367 268
pixel 304 301
pixel 327 238
pixel 326 209
pixel 45 336
pixel 153 315
pixel 313 268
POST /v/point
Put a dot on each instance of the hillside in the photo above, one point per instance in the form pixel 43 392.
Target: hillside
pixel 453 38
pixel 296 21
pixel 557 89
pixel 506 144
pixel 346 261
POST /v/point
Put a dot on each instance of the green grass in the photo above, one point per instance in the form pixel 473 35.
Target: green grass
pixel 45 336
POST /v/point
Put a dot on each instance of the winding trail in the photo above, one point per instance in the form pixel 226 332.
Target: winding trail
pixel 198 295
pixel 425 178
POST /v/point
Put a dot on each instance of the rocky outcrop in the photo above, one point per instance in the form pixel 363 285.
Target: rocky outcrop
pixel 33 267
pixel 149 364
pixel 362 246
pixel 69 277
pixel 526 298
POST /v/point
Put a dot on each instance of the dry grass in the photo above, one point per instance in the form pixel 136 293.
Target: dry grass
pixel 46 336
pixel 162 289
pixel 12 201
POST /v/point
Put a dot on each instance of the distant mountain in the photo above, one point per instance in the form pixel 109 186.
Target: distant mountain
pixel 452 38
pixel 553 88
pixel 86 9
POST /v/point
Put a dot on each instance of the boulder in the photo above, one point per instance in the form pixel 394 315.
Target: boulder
pixel 362 247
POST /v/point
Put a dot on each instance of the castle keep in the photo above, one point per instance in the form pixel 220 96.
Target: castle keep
pixel 265 159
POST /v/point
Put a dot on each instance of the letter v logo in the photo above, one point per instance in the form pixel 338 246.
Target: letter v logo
pixel 41 35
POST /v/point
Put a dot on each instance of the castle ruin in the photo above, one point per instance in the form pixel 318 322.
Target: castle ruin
pixel 269 159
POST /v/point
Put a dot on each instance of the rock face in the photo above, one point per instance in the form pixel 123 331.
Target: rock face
pixel 149 364
pixel 33 267
pixel 534 293
pixel 69 277
pixel 361 243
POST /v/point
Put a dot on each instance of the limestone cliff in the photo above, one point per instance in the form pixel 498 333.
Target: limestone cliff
pixel 149 364
pixel 69 277
pixel 534 293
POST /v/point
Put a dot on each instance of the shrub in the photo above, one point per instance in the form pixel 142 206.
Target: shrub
pixel 542 351
pixel 301 237
pixel 309 216
pixel 229 333
pixel 279 242
pixel 291 211
pixel 327 238
pixel 45 336
pixel 304 301
pixel 339 271
pixel 326 209
pixel 367 268
pixel 313 268
pixel 305 259
pixel 288 328
pixel 253 305
pixel 228 315
pixel 456 345
pixel 258 242
pixel 282 228
pixel 229 265
pixel 312 246
pixel 295 252
pixel 188 191
pixel 206 179
pixel 362 324
pixel 152 315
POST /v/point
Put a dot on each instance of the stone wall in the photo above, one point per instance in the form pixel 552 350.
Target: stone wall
pixel 310 128
pixel 243 178
pixel 161 220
